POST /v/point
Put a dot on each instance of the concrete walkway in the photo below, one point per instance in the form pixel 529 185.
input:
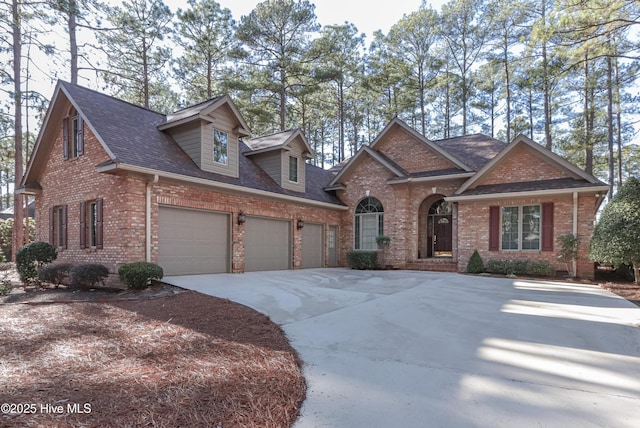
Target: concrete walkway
pixel 424 349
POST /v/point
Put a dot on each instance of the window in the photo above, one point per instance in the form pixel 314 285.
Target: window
pixel 368 224
pixel 72 135
pixel 91 224
pixel 220 147
pixel 521 227
pixel 58 226
pixel 293 169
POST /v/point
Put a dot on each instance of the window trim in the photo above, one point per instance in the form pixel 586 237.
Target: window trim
pixel 91 227
pixel 367 207
pixel 58 226
pixel 225 146
pixel 520 231
pixel 72 136
pixel 296 169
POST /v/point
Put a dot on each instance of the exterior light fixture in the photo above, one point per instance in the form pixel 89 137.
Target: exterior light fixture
pixel 241 218
pixel 300 224
pixel 367 192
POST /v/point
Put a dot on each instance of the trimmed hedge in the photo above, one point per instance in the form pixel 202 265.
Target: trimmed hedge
pixel 138 275
pixel 519 267
pixel 88 275
pixel 32 256
pixel 56 274
pixel 359 259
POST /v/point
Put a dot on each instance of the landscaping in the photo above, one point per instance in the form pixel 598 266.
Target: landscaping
pixel 153 357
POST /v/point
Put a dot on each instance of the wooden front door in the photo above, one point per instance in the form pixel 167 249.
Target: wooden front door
pixel 442 239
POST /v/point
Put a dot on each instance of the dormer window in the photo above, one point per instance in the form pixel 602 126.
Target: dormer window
pixel 293 169
pixel 220 147
pixel 73 136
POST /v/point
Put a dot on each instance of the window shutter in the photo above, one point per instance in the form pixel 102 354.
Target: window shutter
pixel 64 227
pixel 65 138
pixel 494 228
pixel 80 136
pixel 52 228
pixel 547 226
pixel 99 223
pixel 83 225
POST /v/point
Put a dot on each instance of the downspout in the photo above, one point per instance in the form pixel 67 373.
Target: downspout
pixel 148 217
pixel 575 228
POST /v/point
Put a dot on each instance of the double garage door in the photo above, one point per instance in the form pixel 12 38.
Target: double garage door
pixel 198 242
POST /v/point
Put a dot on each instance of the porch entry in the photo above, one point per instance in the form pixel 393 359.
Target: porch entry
pixel 436 229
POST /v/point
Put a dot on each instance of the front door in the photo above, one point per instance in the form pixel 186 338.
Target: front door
pixel 442 236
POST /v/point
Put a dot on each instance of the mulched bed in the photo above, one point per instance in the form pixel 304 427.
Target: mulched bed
pixel 162 359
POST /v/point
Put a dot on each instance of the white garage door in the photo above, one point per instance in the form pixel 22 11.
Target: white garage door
pixel 192 241
pixel 312 245
pixel 267 244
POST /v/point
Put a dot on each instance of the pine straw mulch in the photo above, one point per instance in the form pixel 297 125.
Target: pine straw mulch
pixel 178 360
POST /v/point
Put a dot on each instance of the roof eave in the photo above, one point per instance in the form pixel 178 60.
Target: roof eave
pixel 430 179
pixel 511 195
pixel 114 167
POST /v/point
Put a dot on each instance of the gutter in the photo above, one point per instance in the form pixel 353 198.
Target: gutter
pixel 547 192
pixel 432 178
pixel 215 184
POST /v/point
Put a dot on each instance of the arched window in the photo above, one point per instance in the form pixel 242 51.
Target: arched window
pixel 368 223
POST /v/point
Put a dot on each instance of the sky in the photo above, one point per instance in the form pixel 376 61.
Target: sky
pixel 367 15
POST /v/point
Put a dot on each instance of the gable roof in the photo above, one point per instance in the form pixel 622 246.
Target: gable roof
pixel 201 111
pixel 572 170
pixel 277 141
pixel 377 156
pixel 133 141
pixel 475 150
pixel 422 139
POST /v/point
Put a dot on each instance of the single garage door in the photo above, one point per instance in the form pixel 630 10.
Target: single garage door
pixel 192 241
pixel 312 245
pixel 267 244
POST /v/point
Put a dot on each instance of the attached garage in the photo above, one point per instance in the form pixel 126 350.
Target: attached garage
pixel 267 244
pixel 193 241
pixel 312 245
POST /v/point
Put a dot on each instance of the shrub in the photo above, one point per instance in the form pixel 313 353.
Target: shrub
pixel 519 267
pixel 568 250
pixel 55 274
pixel 5 287
pixel 88 275
pixel 6 235
pixel 139 274
pixel 475 265
pixel 362 259
pixel 32 256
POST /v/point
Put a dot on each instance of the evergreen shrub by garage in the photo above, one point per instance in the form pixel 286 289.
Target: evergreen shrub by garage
pixel 519 267
pixel 138 275
pixel 360 259
pixel 32 256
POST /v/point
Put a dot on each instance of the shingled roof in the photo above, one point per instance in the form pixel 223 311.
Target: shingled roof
pixel 475 150
pixel 131 136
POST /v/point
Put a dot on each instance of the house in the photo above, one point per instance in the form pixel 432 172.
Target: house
pixel 7 213
pixel 116 183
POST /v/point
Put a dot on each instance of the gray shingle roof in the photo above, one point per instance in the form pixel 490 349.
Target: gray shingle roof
pixel 474 150
pixel 529 186
pixel 130 132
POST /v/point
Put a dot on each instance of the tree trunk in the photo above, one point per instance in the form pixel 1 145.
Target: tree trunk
pixel 588 149
pixel 73 44
pixel 18 232
pixel 636 272
pixel 619 122
pixel 610 125
pixel 507 88
pixel 545 85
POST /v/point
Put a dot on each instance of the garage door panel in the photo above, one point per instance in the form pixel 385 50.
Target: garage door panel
pixel 192 241
pixel 267 244
pixel 312 245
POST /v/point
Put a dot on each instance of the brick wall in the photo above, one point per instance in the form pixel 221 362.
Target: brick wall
pixel 473 231
pixel 410 154
pixel 522 164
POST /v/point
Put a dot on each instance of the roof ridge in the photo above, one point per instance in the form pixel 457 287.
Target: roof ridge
pixel 216 98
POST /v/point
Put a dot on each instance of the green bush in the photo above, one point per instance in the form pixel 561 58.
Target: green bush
pixel 32 256
pixel 88 275
pixel 6 236
pixel 139 274
pixel 475 265
pixel 56 274
pixel 519 267
pixel 359 259
pixel 5 287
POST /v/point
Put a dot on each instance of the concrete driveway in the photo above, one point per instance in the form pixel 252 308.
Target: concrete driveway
pixel 424 349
